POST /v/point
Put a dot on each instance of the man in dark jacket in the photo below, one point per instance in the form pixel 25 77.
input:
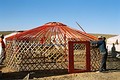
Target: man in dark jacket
pixel 101 44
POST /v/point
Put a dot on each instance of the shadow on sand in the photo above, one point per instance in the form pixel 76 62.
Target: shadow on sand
pixel 32 74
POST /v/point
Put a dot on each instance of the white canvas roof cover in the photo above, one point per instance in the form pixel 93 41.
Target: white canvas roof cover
pixel 9 35
pixel 115 40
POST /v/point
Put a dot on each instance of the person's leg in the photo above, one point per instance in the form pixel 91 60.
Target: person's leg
pixel 103 63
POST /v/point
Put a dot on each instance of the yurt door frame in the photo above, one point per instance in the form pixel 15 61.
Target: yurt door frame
pixel 79 56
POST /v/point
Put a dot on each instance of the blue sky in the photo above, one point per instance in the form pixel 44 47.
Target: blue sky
pixel 95 16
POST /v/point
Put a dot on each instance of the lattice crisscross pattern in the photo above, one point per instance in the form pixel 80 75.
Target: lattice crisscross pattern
pixel 95 59
pixel 79 56
pixel 26 56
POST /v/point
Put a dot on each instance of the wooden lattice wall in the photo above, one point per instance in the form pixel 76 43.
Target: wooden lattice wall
pixel 95 59
pixel 27 56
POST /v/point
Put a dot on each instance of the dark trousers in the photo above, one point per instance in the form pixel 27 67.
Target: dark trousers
pixel 103 62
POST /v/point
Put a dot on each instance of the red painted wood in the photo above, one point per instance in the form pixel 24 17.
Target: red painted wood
pixel 71 56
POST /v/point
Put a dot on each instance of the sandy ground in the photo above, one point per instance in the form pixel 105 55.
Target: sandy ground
pixel 8 74
pixel 109 75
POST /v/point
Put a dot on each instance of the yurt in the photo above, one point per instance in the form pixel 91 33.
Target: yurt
pixel 114 40
pixel 113 45
pixel 46 48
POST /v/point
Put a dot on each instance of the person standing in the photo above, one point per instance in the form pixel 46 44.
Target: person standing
pixel 104 56
pixel 2 49
pixel 101 44
pixel 113 51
